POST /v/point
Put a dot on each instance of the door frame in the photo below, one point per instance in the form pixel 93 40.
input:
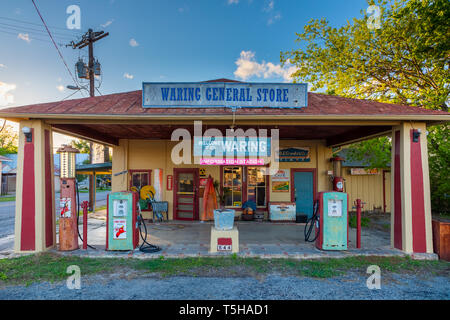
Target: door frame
pixel 176 171
pixel 314 172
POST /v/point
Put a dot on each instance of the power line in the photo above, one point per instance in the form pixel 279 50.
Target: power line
pixel 36 24
pixel 33 38
pixel 54 43
pixel 32 30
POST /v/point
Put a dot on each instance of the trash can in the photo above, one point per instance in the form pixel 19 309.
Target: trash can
pixel 223 219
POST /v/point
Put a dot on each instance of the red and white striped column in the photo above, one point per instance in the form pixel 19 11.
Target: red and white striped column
pixel 35 225
pixel 411 229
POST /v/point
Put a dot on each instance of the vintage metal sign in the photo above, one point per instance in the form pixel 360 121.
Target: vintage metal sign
pixel 224 94
pixel 231 147
pixel 295 154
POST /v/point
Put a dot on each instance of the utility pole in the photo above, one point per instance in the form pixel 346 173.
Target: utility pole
pixel 88 39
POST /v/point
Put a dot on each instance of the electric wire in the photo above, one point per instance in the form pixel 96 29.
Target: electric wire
pixel 33 38
pixel 36 24
pixel 54 43
pixel 32 30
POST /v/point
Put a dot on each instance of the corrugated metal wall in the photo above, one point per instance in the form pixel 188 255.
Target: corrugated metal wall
pixel 368 188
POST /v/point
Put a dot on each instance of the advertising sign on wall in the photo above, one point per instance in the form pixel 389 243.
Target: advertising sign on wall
pixel 280 181
pixel 293 154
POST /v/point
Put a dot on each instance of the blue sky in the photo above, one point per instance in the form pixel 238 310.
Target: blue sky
pixel 176 40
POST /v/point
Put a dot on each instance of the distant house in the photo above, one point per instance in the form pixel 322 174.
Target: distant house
pixel 8 173
pixel 372 186
pixel 9 170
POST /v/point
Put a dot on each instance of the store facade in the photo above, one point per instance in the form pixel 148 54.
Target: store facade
pixel 154 142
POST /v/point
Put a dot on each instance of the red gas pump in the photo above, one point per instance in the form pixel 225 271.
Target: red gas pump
pixel 68 226
pixel 338 181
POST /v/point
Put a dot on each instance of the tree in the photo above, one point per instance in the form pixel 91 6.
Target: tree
pixel 81 145
pixel 9 140
pixel 406 61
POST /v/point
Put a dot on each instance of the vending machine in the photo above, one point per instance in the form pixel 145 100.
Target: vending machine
pixel 332 223
pixel 122 232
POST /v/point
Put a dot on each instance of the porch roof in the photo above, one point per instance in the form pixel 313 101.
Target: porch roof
pixel 128 105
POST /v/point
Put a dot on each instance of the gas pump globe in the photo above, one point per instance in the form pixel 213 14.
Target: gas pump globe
pixel 67 161
pixel 338 180
pixel 68 226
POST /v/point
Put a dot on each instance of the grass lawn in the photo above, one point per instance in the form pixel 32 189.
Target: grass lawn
pixel 7 198
pixel 52 267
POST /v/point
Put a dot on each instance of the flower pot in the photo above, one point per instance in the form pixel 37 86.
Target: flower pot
pixel 224 219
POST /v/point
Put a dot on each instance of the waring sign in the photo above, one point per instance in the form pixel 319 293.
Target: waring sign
pixel 232 146
pixel 224 94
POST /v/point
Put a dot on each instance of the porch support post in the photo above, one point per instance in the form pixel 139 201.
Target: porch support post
pixel 35 225
pixel 411 229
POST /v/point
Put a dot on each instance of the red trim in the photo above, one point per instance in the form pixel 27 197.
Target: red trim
pixel 48 192
pixel 417 197
pixel 293 171
pixel 27 236
pixel 384 191
pixel 398 243
pixel 177 171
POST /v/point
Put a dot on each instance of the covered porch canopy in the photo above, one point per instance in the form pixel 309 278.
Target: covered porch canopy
pixel 335 120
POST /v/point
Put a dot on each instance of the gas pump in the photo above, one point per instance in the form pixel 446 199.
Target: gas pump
pixel 331 225
pixel 122 221
pixel 68 226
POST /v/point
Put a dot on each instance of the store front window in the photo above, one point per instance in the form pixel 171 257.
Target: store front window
pixel 242 184
pixel 140 179
pixel 256 186
pixel 232 186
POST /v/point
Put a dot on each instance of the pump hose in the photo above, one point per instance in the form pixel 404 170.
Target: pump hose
pixel 145 246
pixel 78 215
pixel 309 226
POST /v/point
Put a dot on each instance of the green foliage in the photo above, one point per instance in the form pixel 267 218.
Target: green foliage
pixel 82 146
pixel 364 221
pixel 375 153
pixel 439 162
pixel 406 61
pixel 9 140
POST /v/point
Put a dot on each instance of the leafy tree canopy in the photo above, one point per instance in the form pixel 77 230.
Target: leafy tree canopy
pixel 9 140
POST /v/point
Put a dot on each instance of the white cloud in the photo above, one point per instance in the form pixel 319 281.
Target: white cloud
pixel 248 67
pixel 233 1
pixel 269 5
pixel 133 42
pixel 24 36
pixel 128 76
pixel 273 19
pixel 6 97
pixel 60 88
pixel 2 65
pixel 107 23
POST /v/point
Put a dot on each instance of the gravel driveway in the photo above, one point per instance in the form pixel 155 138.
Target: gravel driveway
pixel 351 286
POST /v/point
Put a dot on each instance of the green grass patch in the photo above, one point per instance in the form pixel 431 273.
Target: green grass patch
pixel 5 199
pixel 364 221
pixel 52 267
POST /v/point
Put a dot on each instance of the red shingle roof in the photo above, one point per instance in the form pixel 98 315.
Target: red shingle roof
pixel 130 103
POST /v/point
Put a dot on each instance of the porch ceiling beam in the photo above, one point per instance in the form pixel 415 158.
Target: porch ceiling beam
pixel 286 122
pixel 357 135
pixel 83 132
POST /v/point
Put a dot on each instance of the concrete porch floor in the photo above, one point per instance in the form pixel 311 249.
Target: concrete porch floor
pixel 179 239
